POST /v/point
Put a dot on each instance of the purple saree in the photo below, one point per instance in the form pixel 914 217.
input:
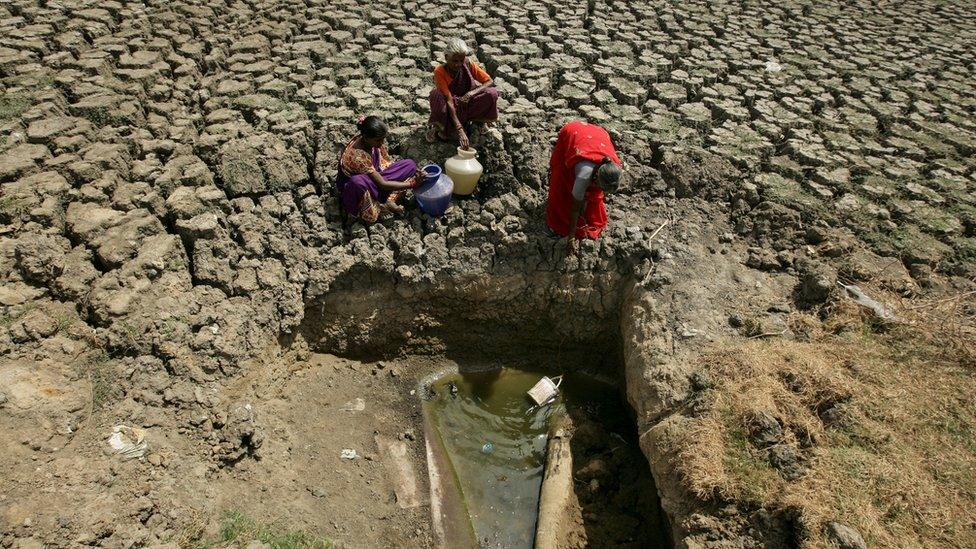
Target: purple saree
pixel 359 193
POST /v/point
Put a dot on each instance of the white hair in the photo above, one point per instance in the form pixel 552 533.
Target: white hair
pixel 455 46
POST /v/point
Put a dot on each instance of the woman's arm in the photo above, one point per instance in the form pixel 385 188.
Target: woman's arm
pixel 458 127
pixel 453 112
pixel 574 216
pixel 391 185
pixel 482 87
pixel 481 76
pixel 583 173
pixel 442 84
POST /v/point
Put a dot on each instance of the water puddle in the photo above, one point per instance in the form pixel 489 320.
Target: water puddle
pixel 495 439
pixel 496 442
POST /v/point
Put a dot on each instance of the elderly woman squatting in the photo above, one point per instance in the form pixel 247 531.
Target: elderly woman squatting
pixel 463 92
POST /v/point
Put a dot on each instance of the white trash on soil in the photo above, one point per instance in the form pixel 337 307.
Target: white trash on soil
pixel 348 453
pixel 128 442
pixel 867 302
pixel 357 405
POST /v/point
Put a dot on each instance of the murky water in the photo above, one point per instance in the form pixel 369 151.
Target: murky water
pixel 496 440
pixel 501 482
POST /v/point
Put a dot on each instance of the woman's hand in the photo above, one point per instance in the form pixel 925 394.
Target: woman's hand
pixel 571 247
pixel 473 93
pixel 463 138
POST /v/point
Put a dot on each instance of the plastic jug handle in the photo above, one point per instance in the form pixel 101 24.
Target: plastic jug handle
pixel 560 378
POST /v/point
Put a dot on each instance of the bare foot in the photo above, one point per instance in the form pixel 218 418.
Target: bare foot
pixel 434 134
pixel 393 208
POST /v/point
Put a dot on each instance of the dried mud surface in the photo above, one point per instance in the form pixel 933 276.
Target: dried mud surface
pixel 168 226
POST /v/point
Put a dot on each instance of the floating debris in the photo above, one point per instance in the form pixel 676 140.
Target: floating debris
pixel 545 390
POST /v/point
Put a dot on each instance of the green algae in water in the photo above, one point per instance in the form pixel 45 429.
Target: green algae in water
pixel 501 486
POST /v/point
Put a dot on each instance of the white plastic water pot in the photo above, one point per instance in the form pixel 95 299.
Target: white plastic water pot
pixel 545 390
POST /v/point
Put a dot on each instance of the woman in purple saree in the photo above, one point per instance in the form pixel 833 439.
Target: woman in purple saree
pixel 369 181
pixel 463 92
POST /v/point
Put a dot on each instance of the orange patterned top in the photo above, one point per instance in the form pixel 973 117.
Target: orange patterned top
pixel 442 80
pixel 355 160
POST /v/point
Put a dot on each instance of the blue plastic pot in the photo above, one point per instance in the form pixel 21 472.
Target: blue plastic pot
pixel 432 173
pixel 434 194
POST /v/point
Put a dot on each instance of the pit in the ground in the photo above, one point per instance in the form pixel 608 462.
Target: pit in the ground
pixel 478 328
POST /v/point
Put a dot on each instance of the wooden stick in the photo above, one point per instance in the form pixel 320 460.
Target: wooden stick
pixel 959 297
pixel 666 221
pixel 769 334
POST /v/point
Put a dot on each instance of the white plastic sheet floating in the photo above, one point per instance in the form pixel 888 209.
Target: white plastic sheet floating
pixel 128 442
pixel 545 390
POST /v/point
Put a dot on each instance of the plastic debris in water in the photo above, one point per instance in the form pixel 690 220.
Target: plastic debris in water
pixel 487 448
pixel 545 390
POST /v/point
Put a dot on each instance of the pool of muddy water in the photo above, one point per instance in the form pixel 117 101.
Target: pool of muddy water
pixel 495 439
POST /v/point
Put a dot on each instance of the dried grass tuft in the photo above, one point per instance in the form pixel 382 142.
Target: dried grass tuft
pixel 881 414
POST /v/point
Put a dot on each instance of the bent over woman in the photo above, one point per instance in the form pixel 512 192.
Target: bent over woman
pixel 583 166
pixel 369 181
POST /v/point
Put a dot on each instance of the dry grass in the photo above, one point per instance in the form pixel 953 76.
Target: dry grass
pixel 895 458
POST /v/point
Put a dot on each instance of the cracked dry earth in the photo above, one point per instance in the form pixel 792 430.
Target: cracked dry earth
pixel 173 256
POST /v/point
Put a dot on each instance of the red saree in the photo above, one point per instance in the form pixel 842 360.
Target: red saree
pixel 577 141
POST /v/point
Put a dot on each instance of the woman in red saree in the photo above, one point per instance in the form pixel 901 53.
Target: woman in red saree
pixel 584 165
